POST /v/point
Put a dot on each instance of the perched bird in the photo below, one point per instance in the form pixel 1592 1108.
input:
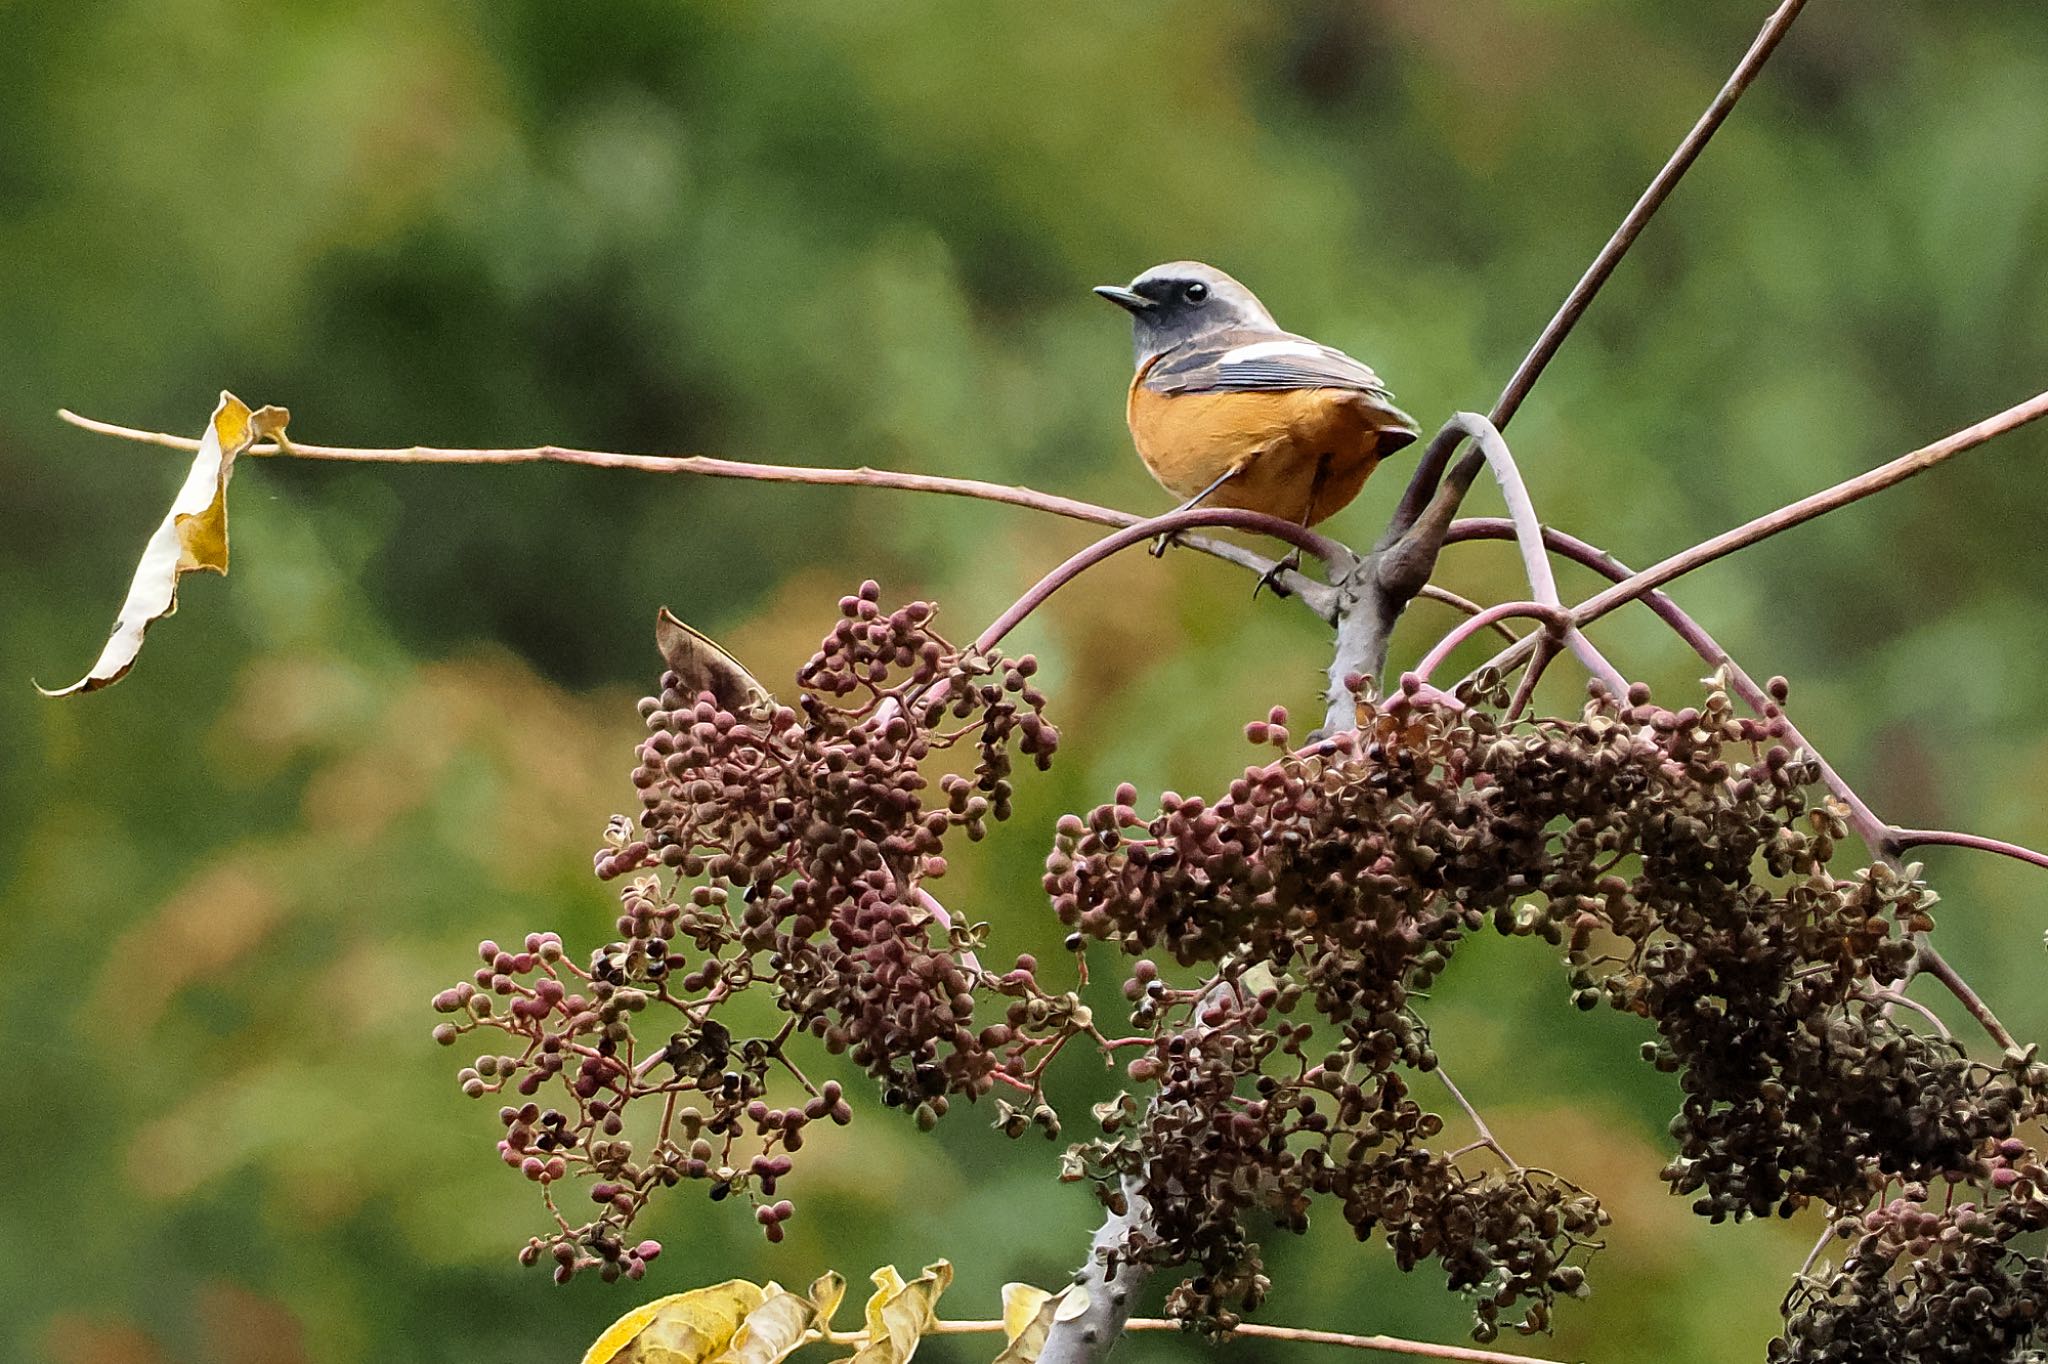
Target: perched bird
pixel 1228 409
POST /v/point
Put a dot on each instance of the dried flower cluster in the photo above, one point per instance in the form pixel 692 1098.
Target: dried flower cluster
pixel 1679 860
pixel 785 850
pixel 1928 1285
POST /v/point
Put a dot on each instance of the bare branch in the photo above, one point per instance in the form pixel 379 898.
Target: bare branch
pixel 1423 486
pixel 1931 962
pixel 1898 840
pixel 1552 618
pixel 1469 607
pixel 1661 185
pixel 1339 558
pixel 1807 508
pixel 1386 1344
pixel 1318 597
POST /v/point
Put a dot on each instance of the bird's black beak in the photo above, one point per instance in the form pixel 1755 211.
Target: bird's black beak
pixel 1124 298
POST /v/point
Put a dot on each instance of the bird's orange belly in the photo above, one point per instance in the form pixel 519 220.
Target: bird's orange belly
pixel 1288 447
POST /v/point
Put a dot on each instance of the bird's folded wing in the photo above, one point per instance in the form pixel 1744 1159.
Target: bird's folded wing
pixel 1249 361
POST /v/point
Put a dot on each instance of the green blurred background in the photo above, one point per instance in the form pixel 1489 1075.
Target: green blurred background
pixel 848 234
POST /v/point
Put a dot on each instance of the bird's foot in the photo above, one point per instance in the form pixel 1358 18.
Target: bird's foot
pixel 1271 577
pixel 1160 543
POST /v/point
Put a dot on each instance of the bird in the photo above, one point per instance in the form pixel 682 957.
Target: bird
pixel 1227 409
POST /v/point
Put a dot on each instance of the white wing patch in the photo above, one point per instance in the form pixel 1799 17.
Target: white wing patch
pixel 1265 350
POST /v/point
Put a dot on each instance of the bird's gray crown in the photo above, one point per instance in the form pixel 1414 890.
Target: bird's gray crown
pixel 1183 300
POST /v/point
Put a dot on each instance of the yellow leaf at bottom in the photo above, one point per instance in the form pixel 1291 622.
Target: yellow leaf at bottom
pixel 683 1328
pixel 899 1313
pixel 771 1330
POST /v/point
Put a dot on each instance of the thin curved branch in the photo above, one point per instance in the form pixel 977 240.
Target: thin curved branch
pixel 1930 962
pixel 1879 836
pixel 1466 605
pixel 1529 540
pixel 1318 597
pixel 1336 556
pixel 1422 487
pixel 1386 1344
pixel 1552 617
pixel 1661 185
pixel 1807 508
pixel 1899 840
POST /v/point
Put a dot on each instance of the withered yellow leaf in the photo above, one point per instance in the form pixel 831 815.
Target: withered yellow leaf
pixel 1022 1304
pixel 770 1331
pixel 193 537
pixel 704 666
pixel 828 1290
pixel 1029 1314
pixel 1027 1318
pixel 899 1313
pixel 683 1328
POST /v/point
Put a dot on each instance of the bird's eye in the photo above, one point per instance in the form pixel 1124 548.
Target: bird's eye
pixel 1196 292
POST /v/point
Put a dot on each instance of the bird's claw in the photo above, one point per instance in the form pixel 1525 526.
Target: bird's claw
pixel 1271 577
pixel 1160 543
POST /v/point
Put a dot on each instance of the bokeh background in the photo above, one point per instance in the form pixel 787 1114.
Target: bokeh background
pixel 850 234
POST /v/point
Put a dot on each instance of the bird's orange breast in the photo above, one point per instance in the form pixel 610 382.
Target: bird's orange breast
pixel 1288 446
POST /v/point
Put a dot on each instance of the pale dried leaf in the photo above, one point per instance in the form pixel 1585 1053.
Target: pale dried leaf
pixel 683 1328
pixel 704 666
pixel 828 1290
pixel 1027 1317
pixel 771 1330
pixel 193 537
pixel 1021 1304
pixel 899 1313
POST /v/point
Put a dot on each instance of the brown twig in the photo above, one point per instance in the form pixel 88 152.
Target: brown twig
pixel 1807 508
pixel 1878 835
pixel 1301 1334
pixel 1661 185
pixel 1319 597
pixel 1387 1344
pixel 1371 600
pixel 1899 840
pixel 1422 488
pixel 1931 962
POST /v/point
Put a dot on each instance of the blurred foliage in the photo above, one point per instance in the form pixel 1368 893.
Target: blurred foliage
pixel 842 234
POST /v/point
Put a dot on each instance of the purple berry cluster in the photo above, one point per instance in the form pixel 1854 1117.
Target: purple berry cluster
pixel 1679 859
pixel 1922 1284
pixel 780 850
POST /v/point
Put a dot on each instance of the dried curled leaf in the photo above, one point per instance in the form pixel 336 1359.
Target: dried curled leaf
pixel 828 1290
pixel 738 1322
pixel 1028 1316
pixel 683 1328
pixel 192 538
pixel 704 666
pixel 899 1313
pixel 772 1330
